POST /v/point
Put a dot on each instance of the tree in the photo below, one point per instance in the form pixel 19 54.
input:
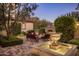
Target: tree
pixel 5 17
pixel 66 26
pixel 8 10
pixel 74 14
pixel 27 10
pixel 40 24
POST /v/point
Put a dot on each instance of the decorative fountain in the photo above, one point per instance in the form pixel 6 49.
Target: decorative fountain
pixel 54 40
pixel 53 46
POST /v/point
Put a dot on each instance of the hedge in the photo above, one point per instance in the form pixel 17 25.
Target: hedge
pixel 75 42
pixel 16 29
pixel 10 42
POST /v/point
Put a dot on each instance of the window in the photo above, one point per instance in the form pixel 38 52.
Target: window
pixel 23 26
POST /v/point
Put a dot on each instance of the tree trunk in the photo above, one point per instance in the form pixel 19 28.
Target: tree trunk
pixel 8 28
pixel 7 31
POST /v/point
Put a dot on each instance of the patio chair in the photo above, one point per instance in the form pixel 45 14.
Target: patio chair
pixel 32 37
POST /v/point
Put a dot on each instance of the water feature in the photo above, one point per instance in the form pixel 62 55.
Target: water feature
pixel 54 45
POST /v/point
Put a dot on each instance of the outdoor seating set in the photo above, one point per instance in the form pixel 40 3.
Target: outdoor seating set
pixel 32 36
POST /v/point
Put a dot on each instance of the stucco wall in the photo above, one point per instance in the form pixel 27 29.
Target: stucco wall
pixel 26 26
pixel 77 32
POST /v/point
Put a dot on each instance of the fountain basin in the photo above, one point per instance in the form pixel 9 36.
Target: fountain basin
pixel 62 50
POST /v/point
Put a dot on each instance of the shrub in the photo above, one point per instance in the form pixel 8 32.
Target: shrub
pixel 1 27
pixel 24 33
pixel 41 30
pixel 11 37
pixel 75 42
pixel 16 29
pixel 10 42
pixel 66 26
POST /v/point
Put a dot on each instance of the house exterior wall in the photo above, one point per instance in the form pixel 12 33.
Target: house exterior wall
pixel 26 26
pixel 76 36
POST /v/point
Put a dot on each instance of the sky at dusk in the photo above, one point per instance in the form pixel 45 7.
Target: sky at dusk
pixel 50 11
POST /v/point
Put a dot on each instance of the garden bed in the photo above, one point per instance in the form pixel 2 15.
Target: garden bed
pixel 75 42
pixel 10 42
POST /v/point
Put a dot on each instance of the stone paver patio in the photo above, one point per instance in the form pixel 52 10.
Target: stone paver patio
pixel 18 50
